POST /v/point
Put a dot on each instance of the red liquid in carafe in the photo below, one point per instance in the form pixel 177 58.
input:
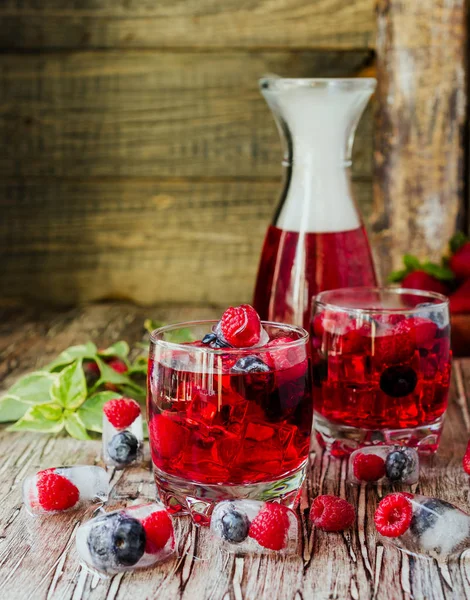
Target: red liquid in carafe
pixel 295 266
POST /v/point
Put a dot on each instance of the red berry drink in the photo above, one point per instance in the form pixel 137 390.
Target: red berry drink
pixel 381 368
pixel 308 263
pixel 228 422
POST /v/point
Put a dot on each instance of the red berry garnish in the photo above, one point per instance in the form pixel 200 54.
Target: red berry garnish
pixel 269 528
pixel 55 492
pixel 368 467
pixel 121 412
pixel 331 513
pixel 241 326
pixel 466 460
pixel 393 515
pixel 158 530
pixel 118 365
pixel 425 330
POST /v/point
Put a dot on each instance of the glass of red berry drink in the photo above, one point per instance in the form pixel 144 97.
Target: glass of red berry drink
pixel 228 422
pixel 381 364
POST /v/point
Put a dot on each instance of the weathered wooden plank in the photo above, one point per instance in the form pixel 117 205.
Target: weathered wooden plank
pixel 149 113
pixel 72 241
pixel 421 98
pixel 328 24
pixel 41 562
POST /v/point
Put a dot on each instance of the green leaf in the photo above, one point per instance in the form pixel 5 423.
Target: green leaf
pixel 51 412
pixel 397 276
pixel 139 366
pixel 120 349
pixel 411 262
pixel 11 408
pixel 180 336
pixel 75 426
pixel 146 429
pixel 109 375
pixel 35 419
pixel 91 411
pixel 136 392
pixel 457 241
pixel 441 272
pixel 70 389
pixel 66 357
pixel 34 388
pixel 150 325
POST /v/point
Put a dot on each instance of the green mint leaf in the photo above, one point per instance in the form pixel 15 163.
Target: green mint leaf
pixel 66 357
pixel 146 429
pixel 120 349
pixel 457 241
pixel 11 408
pixel 135 391
pixel 75 426
pixel 109 375
pixel 34 388
pixel 139 366
pixel 70 389
pixel 150 325
pixel 180 336
pixel 441 272
pixel 411 262
pixel 91 411
pixel 35 419
pixel 397 276
pixel 51 412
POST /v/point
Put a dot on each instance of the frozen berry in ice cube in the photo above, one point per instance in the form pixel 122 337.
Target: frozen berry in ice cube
pixel 399 464
pixel 250 364
pixel 270 527
pixel 231 523
pixel 121 412
pixel 123 448
pixel 398 381
pixel 393 515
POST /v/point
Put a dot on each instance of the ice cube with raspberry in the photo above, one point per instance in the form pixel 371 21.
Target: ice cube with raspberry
pixel 122 433
pixel 64 488
pixel 136 537
pixel 421 525
pixel 251 526
pixel 239 327
pixel 384 464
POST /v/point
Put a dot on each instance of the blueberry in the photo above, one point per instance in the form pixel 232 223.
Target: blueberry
pixel 398 381
pixel 115 540
pixel 399 464
pixel 235 527
pixel 123 448
pixel 427 514
pixel 320 372
pixel 250 364
pixel 213 341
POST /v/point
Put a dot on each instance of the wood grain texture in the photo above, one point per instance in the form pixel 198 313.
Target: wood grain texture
pixel 187 23
pixel 149 113
pixel 39 560
pixel 149 241
pixel 421 99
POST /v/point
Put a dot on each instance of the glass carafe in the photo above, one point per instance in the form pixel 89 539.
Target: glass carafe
pixel 317 240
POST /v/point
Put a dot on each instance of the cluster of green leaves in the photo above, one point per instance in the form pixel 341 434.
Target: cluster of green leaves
pixel 58 397
pixel 412 263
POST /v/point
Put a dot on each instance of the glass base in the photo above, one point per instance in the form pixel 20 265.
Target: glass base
pixel 341 440
pixel 181 496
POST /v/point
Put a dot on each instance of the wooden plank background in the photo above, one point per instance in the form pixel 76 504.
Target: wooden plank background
pixel 137 152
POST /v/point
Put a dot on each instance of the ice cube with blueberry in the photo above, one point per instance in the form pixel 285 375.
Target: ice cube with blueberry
pixel 122 433
pixel 422 525
pixel 64 488
pixel 132 538
pixel 389 464
pixel 245 526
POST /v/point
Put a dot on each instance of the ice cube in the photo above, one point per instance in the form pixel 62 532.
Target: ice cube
pixel 390 464
pixel 122 438
pixel 123 540
pixel 437 529
pixel 64 488
pixel 247 526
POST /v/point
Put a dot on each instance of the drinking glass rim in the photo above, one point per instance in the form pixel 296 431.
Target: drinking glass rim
pixel 303 339
pixel 276 82
pixel 442 304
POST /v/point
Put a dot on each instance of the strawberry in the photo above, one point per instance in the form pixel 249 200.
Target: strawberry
pixel 158 530
pixel 459 301
pixel 55 492
pixel 241 326
pixel 393 515
pixel 459 262
pixel 420 280
pixel 270 526
pixel 121 412
pixel 331 513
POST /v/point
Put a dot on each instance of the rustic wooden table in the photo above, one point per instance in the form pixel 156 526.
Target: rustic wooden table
pixel 38 559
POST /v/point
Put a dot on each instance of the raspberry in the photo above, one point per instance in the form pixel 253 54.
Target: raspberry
pixel 291 360
pixel 331 513
pixel 158 530
pixel 55 492
pixel 466 460
pixel 269 528
pixel 121 412
pixel 118 365
pixel 397 345
pixel 425 330
pixel 166 438
pixel 368 467
pixel 393 515
pixel 241 326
